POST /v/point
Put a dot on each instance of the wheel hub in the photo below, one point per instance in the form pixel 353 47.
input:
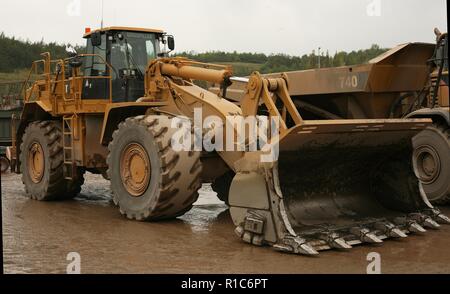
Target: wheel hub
pixel 36 162
pixel 135 169
pixel 428 164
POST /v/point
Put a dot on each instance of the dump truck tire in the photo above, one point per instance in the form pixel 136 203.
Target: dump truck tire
pixel 42 163
pixel 13 165
pixel 149 180
pixel 221 186
pixel 4 164
pixel 432 162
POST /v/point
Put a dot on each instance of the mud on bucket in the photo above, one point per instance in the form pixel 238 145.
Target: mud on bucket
pixel 336 184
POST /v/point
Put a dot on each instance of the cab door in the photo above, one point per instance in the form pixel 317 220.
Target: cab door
pixel 96 84
pixel 130 54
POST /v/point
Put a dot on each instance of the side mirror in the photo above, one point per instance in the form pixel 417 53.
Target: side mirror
pixel 75 62
pixel 171 43
pixel 72 54
pixel 96 39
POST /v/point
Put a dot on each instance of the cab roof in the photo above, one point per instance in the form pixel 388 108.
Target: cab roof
pixel 128 29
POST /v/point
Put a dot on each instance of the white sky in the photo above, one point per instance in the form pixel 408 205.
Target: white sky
pixel 293 27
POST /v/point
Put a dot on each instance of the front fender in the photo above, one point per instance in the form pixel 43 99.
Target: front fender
pixel 438 113
pixel 117 112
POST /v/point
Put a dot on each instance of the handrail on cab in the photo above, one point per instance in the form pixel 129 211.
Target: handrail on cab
pixel 64 63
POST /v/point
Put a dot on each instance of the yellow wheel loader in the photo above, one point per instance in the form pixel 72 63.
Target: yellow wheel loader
pixel 125 110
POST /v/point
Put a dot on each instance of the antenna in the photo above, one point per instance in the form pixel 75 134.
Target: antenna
pixel 101 24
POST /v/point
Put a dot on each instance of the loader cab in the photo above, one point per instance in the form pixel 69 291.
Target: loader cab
pixel 128 51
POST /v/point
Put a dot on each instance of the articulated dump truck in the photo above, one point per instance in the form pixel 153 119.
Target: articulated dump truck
pixel 123 109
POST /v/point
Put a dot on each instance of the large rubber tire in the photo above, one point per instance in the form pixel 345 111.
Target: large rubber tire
pixel 13 165
pixel 222 185
pixel 4 163
pixel 53 185
pixel 174 177
pixel 432 162
pixel 74 187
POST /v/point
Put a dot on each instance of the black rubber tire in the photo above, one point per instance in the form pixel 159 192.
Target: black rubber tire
pixel 5 164
pixel 13 165
pixel 175 176
pixel 221 186
pixel 74 187
pixel 437 138
pixel 53 185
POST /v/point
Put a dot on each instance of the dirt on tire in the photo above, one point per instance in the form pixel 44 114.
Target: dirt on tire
pixel 53 185
pixel 175 176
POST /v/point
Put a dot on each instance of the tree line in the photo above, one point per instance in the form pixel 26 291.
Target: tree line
pixel 16 54
pixel 283 62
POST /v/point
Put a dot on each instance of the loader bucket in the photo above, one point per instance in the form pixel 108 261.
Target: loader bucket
pixel 336 184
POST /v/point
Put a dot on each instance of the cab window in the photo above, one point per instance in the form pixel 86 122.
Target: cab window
pixel 95 66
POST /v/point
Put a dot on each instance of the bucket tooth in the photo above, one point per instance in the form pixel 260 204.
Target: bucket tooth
pixel 410 225
pixel 443 219
pixel 390 230
pixel 296 245
pixel 258 240
pixel 247 237
pixel 335 241
pixel 365 235
pixel 239 231
pixel 306 250
pixel 397 233
pixel 430 223
pixel 252 229
pixel 371 238
pixel 340 243
pixel 424 220
pixel 438 216
pixel 416 228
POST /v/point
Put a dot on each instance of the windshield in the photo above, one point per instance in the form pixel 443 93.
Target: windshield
pixel 135 51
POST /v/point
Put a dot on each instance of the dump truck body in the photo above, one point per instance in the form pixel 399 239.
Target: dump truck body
pixel 347 91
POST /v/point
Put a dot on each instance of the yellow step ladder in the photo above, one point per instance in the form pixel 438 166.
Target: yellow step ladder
pixel 69 152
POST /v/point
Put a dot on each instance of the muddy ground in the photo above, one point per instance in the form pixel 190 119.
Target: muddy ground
pixel 38 236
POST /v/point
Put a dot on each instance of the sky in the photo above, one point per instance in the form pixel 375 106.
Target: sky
pixel 294 27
